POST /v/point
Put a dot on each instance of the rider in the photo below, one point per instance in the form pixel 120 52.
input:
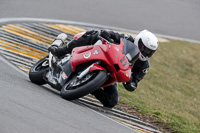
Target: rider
pixel 145 41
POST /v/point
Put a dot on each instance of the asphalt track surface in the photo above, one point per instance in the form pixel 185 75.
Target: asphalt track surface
pixel 28 108
pixel 180 18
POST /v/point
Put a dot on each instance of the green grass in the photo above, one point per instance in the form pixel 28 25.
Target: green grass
pixel 171 88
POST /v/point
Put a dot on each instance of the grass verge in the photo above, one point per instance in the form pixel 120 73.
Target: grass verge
pixel 171 88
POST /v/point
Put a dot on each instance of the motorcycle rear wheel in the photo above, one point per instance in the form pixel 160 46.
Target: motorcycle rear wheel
pixel 37 70
pixel 95 82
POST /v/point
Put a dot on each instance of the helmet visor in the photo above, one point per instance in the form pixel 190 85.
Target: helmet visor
pixel 146 52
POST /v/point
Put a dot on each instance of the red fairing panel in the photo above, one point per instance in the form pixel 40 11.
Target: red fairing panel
pixel 84 54
pixel 97 67
pixel 110 54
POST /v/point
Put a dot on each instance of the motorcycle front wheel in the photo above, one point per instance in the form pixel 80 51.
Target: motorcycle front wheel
pixel 76 88
pixel 37 70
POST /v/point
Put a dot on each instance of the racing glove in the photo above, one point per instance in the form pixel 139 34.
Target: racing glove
pixel 111 35
pixel 130 86
pixel 106 34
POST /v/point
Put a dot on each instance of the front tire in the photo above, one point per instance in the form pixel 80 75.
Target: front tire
pixel 37 70
pixel 69 92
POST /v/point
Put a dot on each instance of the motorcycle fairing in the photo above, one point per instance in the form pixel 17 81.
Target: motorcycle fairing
pixel 66 69
pixel 58 75
pixel 130 49
pixel 97 67
pixel 109 54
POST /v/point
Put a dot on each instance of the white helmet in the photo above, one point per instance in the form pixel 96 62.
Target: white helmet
pixel 147 43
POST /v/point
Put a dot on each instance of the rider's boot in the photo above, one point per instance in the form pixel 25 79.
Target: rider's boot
pixel 89 38
pixel 107 96
pixel 59 51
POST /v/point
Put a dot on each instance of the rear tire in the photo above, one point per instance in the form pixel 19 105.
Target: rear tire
pixel 36 72
pixel 70 93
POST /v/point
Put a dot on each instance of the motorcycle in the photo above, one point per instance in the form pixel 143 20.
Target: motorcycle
pixel 87 68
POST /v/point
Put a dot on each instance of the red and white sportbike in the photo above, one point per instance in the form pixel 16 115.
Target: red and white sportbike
pixel 87 68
